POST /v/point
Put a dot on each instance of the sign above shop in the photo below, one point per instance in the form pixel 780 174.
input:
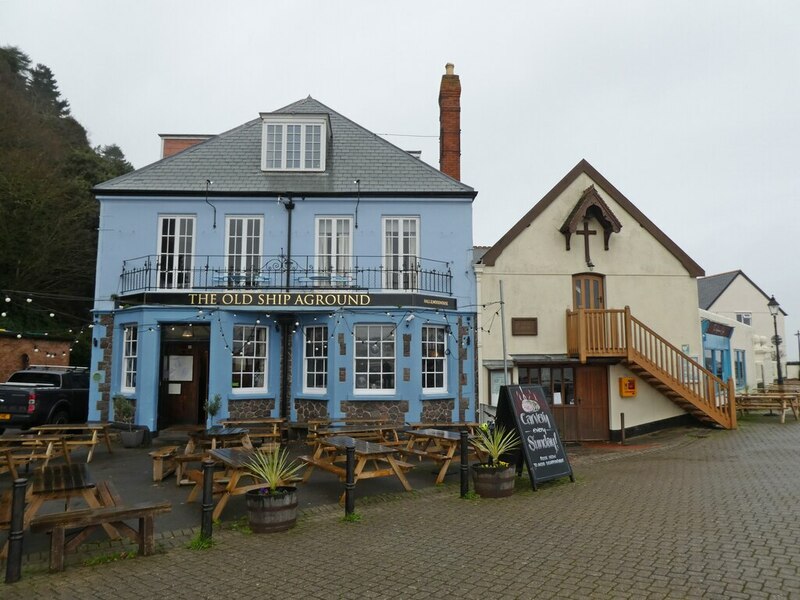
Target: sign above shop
pixel 719 329
pixel 325 299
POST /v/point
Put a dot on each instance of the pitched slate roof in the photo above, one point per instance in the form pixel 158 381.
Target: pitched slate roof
pixel 232 161
pixel 583 166
pixel 710 288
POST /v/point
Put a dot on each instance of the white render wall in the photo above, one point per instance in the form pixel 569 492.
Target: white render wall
pixel 742 339
pixel 537 271
pixel 741 296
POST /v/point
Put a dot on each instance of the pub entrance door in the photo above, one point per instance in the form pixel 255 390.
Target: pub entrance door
pixel 183 387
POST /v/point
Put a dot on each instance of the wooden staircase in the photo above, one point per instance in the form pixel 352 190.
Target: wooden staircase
pixel 614 333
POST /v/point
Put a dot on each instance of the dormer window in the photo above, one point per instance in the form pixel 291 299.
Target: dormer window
pixel 293 143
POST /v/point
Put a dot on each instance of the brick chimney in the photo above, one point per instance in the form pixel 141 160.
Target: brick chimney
pixel 450 124
pixel 173 143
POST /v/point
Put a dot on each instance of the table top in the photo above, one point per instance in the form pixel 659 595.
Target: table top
pixel 439 434
pixel 363 448
pixel 62 478
pixel 70 427
pixel 236 458
pixel 219 432
pixel 344 429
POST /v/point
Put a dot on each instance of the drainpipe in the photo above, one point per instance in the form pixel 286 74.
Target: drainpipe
pixel 289 206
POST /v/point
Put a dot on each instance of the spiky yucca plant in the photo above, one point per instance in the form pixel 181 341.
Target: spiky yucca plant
pixel 495 442
pixel 274 468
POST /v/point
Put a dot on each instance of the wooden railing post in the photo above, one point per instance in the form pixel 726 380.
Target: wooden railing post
pixel 582 335
pixel 732 402
pixel 628 333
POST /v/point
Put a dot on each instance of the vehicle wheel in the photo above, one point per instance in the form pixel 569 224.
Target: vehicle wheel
pixel 60 417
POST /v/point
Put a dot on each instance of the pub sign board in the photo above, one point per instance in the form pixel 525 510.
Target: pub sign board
pixel 525 409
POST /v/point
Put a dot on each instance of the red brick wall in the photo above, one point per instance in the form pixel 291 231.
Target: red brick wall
pixel 450 124
pixel 12 351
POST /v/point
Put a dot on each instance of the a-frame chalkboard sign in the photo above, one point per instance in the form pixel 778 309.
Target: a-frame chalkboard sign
pixel 525 408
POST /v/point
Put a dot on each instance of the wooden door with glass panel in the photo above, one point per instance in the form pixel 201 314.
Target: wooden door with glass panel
pixel 558 383
pixel 588 291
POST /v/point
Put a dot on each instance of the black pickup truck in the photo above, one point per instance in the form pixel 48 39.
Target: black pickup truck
pixel 41 395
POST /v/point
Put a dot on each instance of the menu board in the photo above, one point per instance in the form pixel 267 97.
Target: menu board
pixel 525 409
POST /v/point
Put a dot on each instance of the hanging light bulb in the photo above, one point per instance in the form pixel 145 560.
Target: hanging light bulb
pixel 54 314
pixel 3 314
pixel 28 300
pixel 8 299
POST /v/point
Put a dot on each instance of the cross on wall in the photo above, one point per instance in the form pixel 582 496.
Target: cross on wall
pixel 586 232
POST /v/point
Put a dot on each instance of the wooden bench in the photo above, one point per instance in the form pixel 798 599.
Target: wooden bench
pixel 262 431
pixel 324 465
pixel 770 401
pixel 57 525
pixel 77 436
pixel 470 426
pixel 164 463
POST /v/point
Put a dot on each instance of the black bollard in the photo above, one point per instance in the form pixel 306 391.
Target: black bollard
pixel 349 483
pixel 208 500
pixel 464 463
pixel 14 560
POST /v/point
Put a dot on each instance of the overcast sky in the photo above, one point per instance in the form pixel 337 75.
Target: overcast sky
pixel 689 108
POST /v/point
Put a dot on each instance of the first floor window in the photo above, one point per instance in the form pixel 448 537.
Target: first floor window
pixel 558 383
pixel 316 358
pixel 249 368
pixel 434 347
pixel 375 357
pixel 130 350
pixel 738 363
pixel 745 318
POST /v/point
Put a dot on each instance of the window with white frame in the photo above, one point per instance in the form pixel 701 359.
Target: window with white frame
pixel 334 248
pixel 375 358
pixel 434 351
pixel 401 252
pixel 243 250
pixel 249 366
pixel 292 143
pixel 315 359
pixel 175 251
pixel 130 352
pixel 745 318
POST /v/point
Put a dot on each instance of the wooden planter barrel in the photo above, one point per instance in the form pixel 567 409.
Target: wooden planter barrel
pixel 493 482
pixel 269 513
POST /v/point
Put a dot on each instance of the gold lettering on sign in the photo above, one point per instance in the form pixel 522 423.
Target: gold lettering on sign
pixel 280 299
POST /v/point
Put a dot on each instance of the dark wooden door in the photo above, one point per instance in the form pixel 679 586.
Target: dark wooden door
pixel 591 400
pixel 184 383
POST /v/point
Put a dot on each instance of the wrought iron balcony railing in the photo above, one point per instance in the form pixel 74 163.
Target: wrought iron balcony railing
pixel 171 272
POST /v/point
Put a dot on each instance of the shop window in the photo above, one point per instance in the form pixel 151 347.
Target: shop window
pixel 249 364
pixel 434 350
pixel 374 358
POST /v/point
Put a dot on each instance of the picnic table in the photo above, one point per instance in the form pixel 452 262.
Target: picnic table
pixel 78 435
pixel 383 433
pixel 372 460
pixel 434 444
pixel 770 401
pixel 214 436
pixel 22 450
pixel 262 431
pixel 232 480
pixel 63 483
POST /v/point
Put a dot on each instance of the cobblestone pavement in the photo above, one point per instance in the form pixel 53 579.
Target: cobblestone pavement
pixel 709 515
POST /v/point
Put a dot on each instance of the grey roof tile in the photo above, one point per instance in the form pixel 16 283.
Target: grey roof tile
pixel 232 160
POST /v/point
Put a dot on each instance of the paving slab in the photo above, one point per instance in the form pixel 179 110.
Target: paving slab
pixel 686 513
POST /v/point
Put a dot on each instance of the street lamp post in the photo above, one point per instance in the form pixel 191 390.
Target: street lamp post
pixel 774 308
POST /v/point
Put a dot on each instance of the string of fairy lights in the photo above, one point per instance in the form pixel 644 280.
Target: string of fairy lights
pixel 342 319
pixel 41 305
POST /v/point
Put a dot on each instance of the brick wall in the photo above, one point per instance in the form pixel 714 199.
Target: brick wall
pixel 450 124
pixel 13 352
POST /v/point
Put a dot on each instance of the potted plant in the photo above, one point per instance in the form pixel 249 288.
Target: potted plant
pixel 494 478
pixel 273 507
pixel 212 407
pixel 124 411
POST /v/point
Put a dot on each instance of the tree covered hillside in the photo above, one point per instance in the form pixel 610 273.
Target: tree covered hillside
pixel 48 216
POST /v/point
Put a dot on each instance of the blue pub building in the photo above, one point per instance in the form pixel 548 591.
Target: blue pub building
pixel 297 266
